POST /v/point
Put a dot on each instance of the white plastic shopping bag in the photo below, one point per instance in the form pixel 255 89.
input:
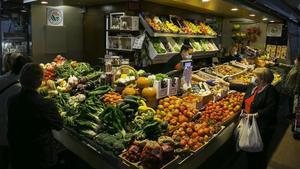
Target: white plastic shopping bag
pixel 249 138
pixel 242 122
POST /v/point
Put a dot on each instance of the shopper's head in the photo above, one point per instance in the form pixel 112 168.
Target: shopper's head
pixel 9 60
pixel 264 76
pixel 185 51
pixel 19 63
pixel 31 76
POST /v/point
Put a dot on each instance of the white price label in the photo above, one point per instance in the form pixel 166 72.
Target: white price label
pixel 138 41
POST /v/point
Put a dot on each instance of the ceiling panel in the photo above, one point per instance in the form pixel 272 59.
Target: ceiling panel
pixel 216 7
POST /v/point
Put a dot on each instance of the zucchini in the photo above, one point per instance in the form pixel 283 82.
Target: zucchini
pixel 134 98
pixel 126 106
pixel 105 87
pixel 120 104
pixel 131 101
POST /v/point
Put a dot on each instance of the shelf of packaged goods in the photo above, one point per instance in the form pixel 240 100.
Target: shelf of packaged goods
pixel 159 34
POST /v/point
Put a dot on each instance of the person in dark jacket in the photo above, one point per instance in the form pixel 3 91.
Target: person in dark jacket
pixel 30 121
pixel 261 100
pixel 291 87
pixel 174 62
pixel 9 86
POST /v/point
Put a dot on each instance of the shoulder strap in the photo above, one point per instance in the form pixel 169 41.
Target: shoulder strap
pixel 8 86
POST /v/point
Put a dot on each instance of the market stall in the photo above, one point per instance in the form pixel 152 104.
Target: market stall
pixel 118 113
pixel 117 123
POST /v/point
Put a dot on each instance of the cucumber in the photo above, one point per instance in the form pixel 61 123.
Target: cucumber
pixel 103 87
pixel 120 104
pixel 126 106
pixel 134 98
pixel 127 100
pixel 99 92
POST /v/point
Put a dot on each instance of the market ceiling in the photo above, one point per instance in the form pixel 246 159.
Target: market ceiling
pixel 217 7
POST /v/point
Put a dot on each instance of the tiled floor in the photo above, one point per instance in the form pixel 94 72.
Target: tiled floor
pixel 284 149
pixel 286 155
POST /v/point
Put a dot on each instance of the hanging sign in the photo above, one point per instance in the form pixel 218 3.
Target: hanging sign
pixel 55 17
pixel 274 30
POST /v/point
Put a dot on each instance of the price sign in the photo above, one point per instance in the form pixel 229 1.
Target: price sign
pixel 138 41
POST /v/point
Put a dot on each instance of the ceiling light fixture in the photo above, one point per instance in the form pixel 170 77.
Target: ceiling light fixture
pixel 44 2
pixel 264 19
pixel 205 0
pixel 23 10
pixel 272 21
pixel 252 15
pixel 234 9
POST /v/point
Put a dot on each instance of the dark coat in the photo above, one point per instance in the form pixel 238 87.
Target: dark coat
pixel 30 121
pixel 265 104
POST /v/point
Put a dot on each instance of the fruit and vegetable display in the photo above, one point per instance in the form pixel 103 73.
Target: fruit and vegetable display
pixel 152 154
pixel 224 109
pixel 125 117
pixel 194 135
pixel 169 45
pixel 158 46
pixel 178 26
pixel 246 77
pixel 176 110
pixel 223 70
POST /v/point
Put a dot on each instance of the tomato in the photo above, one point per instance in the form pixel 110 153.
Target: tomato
pixel 182 142
pixel 175 112
pixel 189 131
pixel 201 139
pixel 182 108
pixel 173 121
pixel 200 132
pixel 166 104
pixel 197 146
pixel 194 135
pixel 184 124
pixel 182 133
pixel 161 102
pixel 191 143
pixel 197 127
